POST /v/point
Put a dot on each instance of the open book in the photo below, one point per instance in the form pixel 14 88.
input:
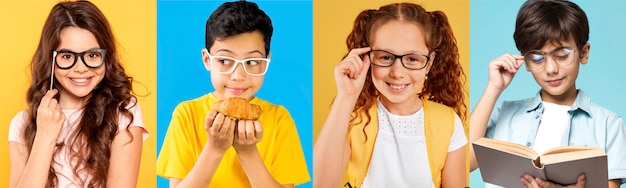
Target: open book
pixel 503 163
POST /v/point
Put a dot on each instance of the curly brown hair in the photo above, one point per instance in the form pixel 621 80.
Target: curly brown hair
pixel 446 77
pixel 91 141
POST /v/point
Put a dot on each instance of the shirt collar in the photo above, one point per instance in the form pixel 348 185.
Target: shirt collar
pixel 536 103
pixel 582 102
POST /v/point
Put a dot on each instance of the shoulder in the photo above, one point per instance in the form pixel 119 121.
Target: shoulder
pixel 199 101
pixel 435 104
pixel 600 112
pixel 19 120
pixel 595 111
pixel 270 108
pixel 513 107
pixel 199 104
pixel 438 111
pixel 17 125
pixel 273 115
pixel 133 106
pixel 126 122
pixel 518 103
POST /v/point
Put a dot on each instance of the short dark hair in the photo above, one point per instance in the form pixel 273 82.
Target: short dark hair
pixel 233 18
pixel 542 21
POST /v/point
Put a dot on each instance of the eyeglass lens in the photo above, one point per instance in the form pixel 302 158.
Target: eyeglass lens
pixel 536 59
pixel 253 66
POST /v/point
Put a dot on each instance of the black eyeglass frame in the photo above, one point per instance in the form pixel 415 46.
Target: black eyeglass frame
pixel 396 57
pixel 76 55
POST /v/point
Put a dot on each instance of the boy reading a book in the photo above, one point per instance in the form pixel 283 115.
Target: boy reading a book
pixel 207 148
pixel 552 38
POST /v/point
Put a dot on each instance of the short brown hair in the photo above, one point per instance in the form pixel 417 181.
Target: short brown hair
pixel 542 21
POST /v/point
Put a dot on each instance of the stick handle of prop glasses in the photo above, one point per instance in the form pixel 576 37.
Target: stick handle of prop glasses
pixel 54 54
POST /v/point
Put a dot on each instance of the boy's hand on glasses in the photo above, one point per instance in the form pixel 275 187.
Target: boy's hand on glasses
pixel 247 135
pixel 503 69
pixel 50 117
pixel 221 130
pixel 350 73
pixel 531 182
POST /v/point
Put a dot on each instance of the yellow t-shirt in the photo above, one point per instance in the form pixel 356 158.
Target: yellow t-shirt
pixel 185 138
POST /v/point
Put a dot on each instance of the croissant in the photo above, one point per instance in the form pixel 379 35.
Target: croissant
pixel 238 109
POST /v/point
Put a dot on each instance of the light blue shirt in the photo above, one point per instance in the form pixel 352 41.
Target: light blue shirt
pixel 590 125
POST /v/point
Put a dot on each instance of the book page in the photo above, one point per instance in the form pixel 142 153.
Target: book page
pixel 510 147
pixel 569 153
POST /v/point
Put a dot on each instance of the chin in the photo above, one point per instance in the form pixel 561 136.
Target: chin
pixel 79 93
pixel 395 98
pixel 554 91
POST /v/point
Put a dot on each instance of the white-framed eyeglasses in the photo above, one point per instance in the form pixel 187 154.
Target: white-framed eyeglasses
pixel 227 65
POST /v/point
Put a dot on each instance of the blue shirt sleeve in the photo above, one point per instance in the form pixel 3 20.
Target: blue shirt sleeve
pixel 616 148
pixel 491 125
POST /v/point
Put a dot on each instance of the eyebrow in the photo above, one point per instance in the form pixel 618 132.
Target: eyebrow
pixel 247 53
pixel 68 50
pixel 409 52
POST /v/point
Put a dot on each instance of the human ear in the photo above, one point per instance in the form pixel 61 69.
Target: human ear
pixel 205 59
pixel 430 61
pixel 584 53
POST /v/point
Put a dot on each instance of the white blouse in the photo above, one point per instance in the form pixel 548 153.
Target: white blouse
pixel 399 158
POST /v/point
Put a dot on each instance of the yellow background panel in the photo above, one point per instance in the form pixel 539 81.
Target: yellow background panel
pixel 333 21
pixel 134 25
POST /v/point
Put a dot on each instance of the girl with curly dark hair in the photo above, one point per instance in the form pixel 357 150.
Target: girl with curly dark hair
pixel 83 126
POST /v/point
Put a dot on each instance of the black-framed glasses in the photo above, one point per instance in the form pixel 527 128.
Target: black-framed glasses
pixel 535 60
pixel 66 59
pixel 411 61
pixel 227 65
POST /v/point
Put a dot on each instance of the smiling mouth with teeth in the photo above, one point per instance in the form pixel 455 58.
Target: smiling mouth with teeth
pixel 79 80
pixel 397 86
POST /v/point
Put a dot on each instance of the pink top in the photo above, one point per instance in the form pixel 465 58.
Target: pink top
pixel 61 163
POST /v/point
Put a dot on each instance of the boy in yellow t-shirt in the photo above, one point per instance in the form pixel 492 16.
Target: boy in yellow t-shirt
pixel 197 150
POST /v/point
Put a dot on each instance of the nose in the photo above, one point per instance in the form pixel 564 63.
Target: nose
pixel 238 73
pixel 80 65
pixel 552 67
pixel 396 70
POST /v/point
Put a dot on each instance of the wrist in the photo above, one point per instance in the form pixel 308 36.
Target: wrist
pixel 491 89
pixel 345 100
pixel 246 152
pixel 43 146
pixel 216 150
pixel 45 139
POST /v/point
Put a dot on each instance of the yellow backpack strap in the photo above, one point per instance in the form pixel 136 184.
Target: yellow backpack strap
pixel 438 129
pixel 361 149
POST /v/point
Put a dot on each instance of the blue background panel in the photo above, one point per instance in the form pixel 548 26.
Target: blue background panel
pixel 182 76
